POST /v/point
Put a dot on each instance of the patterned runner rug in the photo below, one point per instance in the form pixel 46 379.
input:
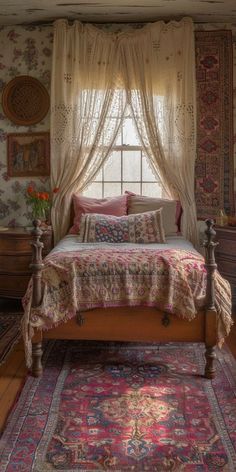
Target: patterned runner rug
pixel 9 333
pixel 124 407
pixel 214 165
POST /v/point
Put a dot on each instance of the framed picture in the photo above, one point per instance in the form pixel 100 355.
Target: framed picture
pixel 28 154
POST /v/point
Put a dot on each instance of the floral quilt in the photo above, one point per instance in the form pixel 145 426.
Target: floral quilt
pixel 172 280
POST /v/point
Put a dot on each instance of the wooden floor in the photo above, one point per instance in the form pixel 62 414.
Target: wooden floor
pixel 13 372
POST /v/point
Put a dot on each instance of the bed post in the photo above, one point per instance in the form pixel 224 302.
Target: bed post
pixel 36 267
pixel 210 310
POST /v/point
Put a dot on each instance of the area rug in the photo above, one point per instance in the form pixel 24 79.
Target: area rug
pixel 124 407
pixel 9 333
pixel 214 165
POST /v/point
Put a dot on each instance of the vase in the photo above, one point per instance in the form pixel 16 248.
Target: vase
pixel 39 214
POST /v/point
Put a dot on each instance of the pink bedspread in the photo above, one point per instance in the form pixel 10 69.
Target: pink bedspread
pixel 172 280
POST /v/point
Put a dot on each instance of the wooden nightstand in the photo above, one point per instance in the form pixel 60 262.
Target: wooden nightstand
pixel 15 258
pixel 226 255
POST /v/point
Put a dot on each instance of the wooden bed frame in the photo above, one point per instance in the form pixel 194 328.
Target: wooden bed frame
pixel 132 323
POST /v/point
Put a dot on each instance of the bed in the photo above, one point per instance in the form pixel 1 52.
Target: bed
pixel 55 310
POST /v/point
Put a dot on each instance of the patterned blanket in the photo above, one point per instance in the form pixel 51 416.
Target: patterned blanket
pixel 172 280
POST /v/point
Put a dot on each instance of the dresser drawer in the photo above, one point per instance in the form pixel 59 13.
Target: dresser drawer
pixel 226 246
pixel 13 285
pixel 227 269
pixel 14 245
pixel 226 255
pixel 15 259
pixel 17 264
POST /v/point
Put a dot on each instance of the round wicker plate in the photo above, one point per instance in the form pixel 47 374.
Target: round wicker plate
pixel 25 100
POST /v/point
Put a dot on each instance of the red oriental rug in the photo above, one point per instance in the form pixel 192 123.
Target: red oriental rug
pixel 9 333
pixel 124 407
pixel 214 165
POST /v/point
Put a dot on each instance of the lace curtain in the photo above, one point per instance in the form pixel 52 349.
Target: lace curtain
pixel 91 68
pixel 86 112
pixel 159 74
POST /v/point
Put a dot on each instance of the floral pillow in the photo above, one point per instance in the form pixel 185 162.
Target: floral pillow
pixel 138 228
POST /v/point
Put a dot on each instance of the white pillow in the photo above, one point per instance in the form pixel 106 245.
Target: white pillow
pixel 171 210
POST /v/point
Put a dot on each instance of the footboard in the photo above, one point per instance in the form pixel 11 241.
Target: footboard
pixel 136 323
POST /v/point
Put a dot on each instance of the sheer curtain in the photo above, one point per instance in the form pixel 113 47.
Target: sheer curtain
pixel 159 73
pixel 86 112
pixel 156 67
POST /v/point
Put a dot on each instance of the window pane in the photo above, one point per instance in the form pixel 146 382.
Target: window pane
pixel 99 176
pixel 112 168
pixel 112 189
pixel 93 190
pixel 125 167
pixel 129 133
pixel 118 140
pixel 147 171
pixel 131 165
pixel 132 187
pixel 152 190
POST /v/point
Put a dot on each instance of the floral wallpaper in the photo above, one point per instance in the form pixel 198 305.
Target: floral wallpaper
pixel 27 50
pixel 23 51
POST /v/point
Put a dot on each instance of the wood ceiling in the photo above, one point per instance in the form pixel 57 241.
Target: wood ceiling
pixel 101 11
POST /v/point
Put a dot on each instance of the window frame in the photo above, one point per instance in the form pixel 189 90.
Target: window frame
pixel 122 147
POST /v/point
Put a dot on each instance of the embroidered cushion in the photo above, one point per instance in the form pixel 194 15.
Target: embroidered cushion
pixel 171 210
pixel 107 206
pixel 139 228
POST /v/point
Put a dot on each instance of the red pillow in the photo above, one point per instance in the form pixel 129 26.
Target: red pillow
pixel 116 206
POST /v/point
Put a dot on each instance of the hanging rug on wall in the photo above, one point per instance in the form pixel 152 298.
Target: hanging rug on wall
pixel 214 169
pixel 25 100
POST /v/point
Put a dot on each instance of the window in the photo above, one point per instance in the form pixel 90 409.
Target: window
pixel 126 168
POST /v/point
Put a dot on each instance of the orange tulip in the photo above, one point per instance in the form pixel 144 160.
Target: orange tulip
pixel 40 201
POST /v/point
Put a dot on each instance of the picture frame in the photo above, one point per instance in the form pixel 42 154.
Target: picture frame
pixel 28 154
